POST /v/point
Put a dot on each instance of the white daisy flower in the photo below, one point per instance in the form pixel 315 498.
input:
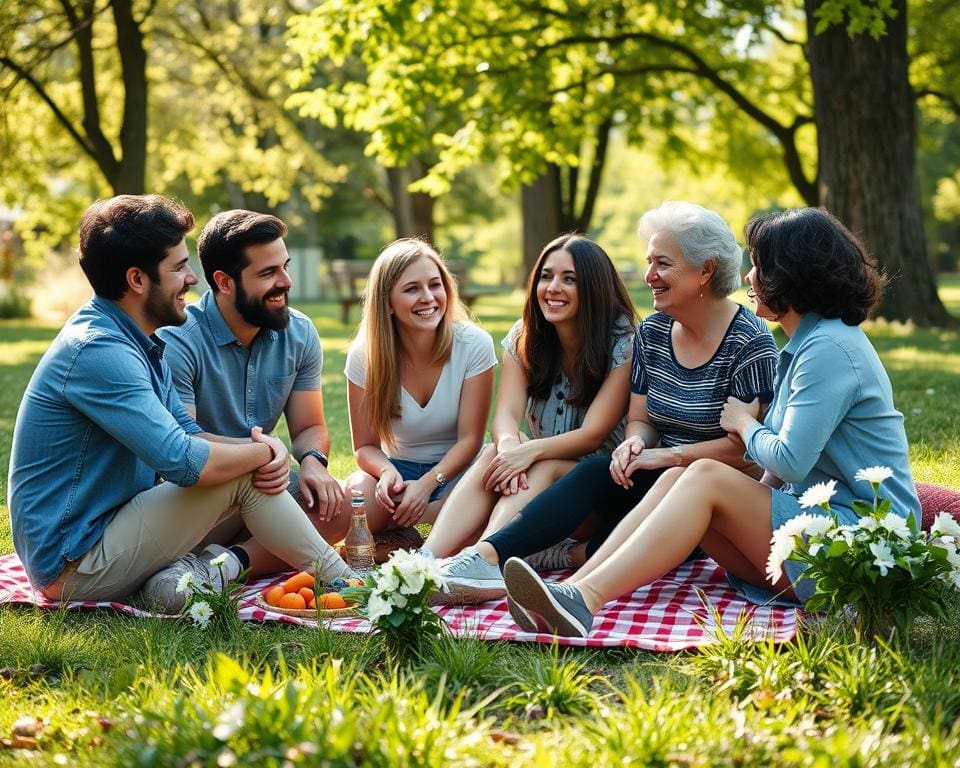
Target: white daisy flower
pixel 945 525
pixel 874 475
pixel 884 556
pixel 868 523
pixel 818 495
pixel 388 579
pixel 818 525
pixel 413 582
pixel 220 560
pixel 895 524
pixel 201 613
pixel 378 608
pixel 185 583
pixel 783 543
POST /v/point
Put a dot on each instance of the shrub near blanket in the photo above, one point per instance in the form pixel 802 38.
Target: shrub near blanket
pixel 887 569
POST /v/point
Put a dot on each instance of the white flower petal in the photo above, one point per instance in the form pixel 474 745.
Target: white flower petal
pixel 819 494
pixel 945 525
pixel 874 475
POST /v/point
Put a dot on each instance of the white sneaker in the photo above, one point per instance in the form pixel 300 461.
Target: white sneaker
pixel 470 579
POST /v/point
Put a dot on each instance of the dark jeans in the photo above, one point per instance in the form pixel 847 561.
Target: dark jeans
pixel 558 511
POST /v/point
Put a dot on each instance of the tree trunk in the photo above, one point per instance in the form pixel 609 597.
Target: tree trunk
pixel 540 208
pixel 412 211
pixel 866 137
pixel 132 170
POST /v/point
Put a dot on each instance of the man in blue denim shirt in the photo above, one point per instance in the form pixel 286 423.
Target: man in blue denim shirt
pixel 110 479
pixel 244 358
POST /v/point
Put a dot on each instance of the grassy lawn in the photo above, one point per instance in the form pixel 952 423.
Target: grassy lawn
pixel 119 691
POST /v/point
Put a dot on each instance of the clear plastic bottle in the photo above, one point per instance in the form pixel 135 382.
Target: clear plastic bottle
pixel 359 544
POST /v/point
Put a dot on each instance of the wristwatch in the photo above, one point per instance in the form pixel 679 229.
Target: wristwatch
pixel 318 455
pixel 441 480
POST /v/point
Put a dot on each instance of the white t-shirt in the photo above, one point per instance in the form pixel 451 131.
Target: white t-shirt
pixel 426 433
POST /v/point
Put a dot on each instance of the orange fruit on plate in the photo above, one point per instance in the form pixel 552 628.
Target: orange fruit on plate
pixel 293 600
pixel 312 605
pixel 306 593
pixel 297 582
pixel 273 595
pixel 332 600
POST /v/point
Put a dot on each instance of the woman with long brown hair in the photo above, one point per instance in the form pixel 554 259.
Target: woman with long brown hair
pixel 420 382
pixel 566 372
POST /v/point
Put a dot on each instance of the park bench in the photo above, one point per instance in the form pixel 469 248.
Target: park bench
pixel 350 277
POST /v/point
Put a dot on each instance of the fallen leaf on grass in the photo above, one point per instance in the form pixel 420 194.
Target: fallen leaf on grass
pixel 501 736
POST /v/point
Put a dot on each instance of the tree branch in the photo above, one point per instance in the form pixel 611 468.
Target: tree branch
pixel 58 113
pixel 948 99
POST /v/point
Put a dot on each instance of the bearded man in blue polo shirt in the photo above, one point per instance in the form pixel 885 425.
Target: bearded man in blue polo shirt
pixel 112 482
pixel 244 358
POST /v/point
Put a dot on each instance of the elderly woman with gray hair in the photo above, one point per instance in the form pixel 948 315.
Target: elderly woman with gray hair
pixel 697 349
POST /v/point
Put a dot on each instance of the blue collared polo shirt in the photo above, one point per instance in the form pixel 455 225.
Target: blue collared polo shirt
pixel 232 388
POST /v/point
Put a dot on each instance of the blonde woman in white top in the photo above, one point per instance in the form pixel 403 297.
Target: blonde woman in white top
pixel 420 382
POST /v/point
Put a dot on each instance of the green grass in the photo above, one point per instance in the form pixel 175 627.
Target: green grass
pixel 119 691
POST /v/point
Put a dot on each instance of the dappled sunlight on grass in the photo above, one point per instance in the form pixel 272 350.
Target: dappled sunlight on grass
pixel 23 352
pixel 913 359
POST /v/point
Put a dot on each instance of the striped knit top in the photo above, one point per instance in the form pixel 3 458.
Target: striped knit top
pixel 684 404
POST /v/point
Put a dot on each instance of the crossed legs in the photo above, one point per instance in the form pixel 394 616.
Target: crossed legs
pixel 710 504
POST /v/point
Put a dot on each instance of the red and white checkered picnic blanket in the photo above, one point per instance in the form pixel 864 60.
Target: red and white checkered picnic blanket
pixel 680 611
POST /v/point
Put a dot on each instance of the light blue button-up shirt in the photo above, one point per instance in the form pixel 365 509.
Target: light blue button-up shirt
pixel 832 414
pixel 232 388
pixel 100 422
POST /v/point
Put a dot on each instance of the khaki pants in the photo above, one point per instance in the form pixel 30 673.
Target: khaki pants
pixel 165 522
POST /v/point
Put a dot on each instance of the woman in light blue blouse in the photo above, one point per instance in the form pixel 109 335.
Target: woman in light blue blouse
pixel 832 414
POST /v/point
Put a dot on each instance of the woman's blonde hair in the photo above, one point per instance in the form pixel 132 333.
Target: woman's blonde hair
pixel 379 334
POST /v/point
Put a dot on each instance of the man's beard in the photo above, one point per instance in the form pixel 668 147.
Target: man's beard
pixel 256 312
pixel 160 310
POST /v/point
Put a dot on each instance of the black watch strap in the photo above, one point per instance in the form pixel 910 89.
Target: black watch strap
pixel 318 455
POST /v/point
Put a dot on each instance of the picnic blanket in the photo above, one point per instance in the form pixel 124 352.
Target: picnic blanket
pixel 682 610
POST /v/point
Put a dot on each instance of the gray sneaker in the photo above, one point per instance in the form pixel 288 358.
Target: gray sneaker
pixel 551 608
pixel 470 579
pixel 160 590
pixel 555 558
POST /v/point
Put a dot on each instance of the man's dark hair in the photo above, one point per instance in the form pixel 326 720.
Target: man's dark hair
pixel 808 261
pixel 129 231
pixel 222 242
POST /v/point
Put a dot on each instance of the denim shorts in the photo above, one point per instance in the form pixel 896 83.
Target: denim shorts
pixel 414 470
pixel 784 507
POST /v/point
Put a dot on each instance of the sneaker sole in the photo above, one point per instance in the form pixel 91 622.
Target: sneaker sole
pixel 520 617
pixel 467 594
pixel 529 593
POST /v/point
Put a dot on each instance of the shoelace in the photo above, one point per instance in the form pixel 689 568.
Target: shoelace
pixel 567 590
pixel 198 566
pixel 462 562
pixel 554 558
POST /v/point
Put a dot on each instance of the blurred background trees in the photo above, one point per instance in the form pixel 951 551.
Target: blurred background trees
pixel 492 127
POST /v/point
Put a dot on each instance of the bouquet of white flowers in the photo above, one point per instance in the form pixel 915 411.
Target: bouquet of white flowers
pixel 395 600
pixel 206 603
pixel 884 567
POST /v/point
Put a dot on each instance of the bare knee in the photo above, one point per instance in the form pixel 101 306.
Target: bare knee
pixel 704 470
